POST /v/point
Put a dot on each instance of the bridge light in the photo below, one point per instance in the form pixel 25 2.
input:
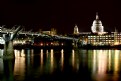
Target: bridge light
pixel 73 43
pixel 62 44
pixel 51 43
pixel 47 44
pixel 41 44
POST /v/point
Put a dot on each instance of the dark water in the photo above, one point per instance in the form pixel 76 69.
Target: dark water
pixel 51 65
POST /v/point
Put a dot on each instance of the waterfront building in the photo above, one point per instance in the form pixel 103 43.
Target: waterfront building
pixel 51 32
pixel 114 38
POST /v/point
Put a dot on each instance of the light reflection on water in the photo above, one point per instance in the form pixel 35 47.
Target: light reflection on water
pixel 62 59
pixel 100 65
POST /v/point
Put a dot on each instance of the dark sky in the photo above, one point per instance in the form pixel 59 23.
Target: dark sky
pixel 60 14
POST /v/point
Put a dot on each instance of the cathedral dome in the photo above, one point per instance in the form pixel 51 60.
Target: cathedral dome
pixel 97 22
pixel 97 25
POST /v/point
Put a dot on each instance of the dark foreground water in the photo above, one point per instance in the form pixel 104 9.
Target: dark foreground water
pixel 54 65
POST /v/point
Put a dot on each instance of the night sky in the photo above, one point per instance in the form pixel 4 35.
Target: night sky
pixel 60 14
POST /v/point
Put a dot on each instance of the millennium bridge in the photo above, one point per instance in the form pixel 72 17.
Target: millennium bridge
pixel 37 38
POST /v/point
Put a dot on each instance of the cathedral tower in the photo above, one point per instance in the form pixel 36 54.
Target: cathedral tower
pixel 76 31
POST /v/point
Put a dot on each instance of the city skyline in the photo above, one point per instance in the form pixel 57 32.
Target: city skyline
pixel 61 15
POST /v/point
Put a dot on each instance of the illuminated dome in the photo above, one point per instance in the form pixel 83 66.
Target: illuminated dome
pixel 97 25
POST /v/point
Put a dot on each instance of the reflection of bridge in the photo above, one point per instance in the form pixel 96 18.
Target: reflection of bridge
pixel 31 35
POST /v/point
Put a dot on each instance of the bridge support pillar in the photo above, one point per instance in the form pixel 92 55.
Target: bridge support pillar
pixel 8 52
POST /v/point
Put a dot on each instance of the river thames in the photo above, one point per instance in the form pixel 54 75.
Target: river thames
pixel 62 64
